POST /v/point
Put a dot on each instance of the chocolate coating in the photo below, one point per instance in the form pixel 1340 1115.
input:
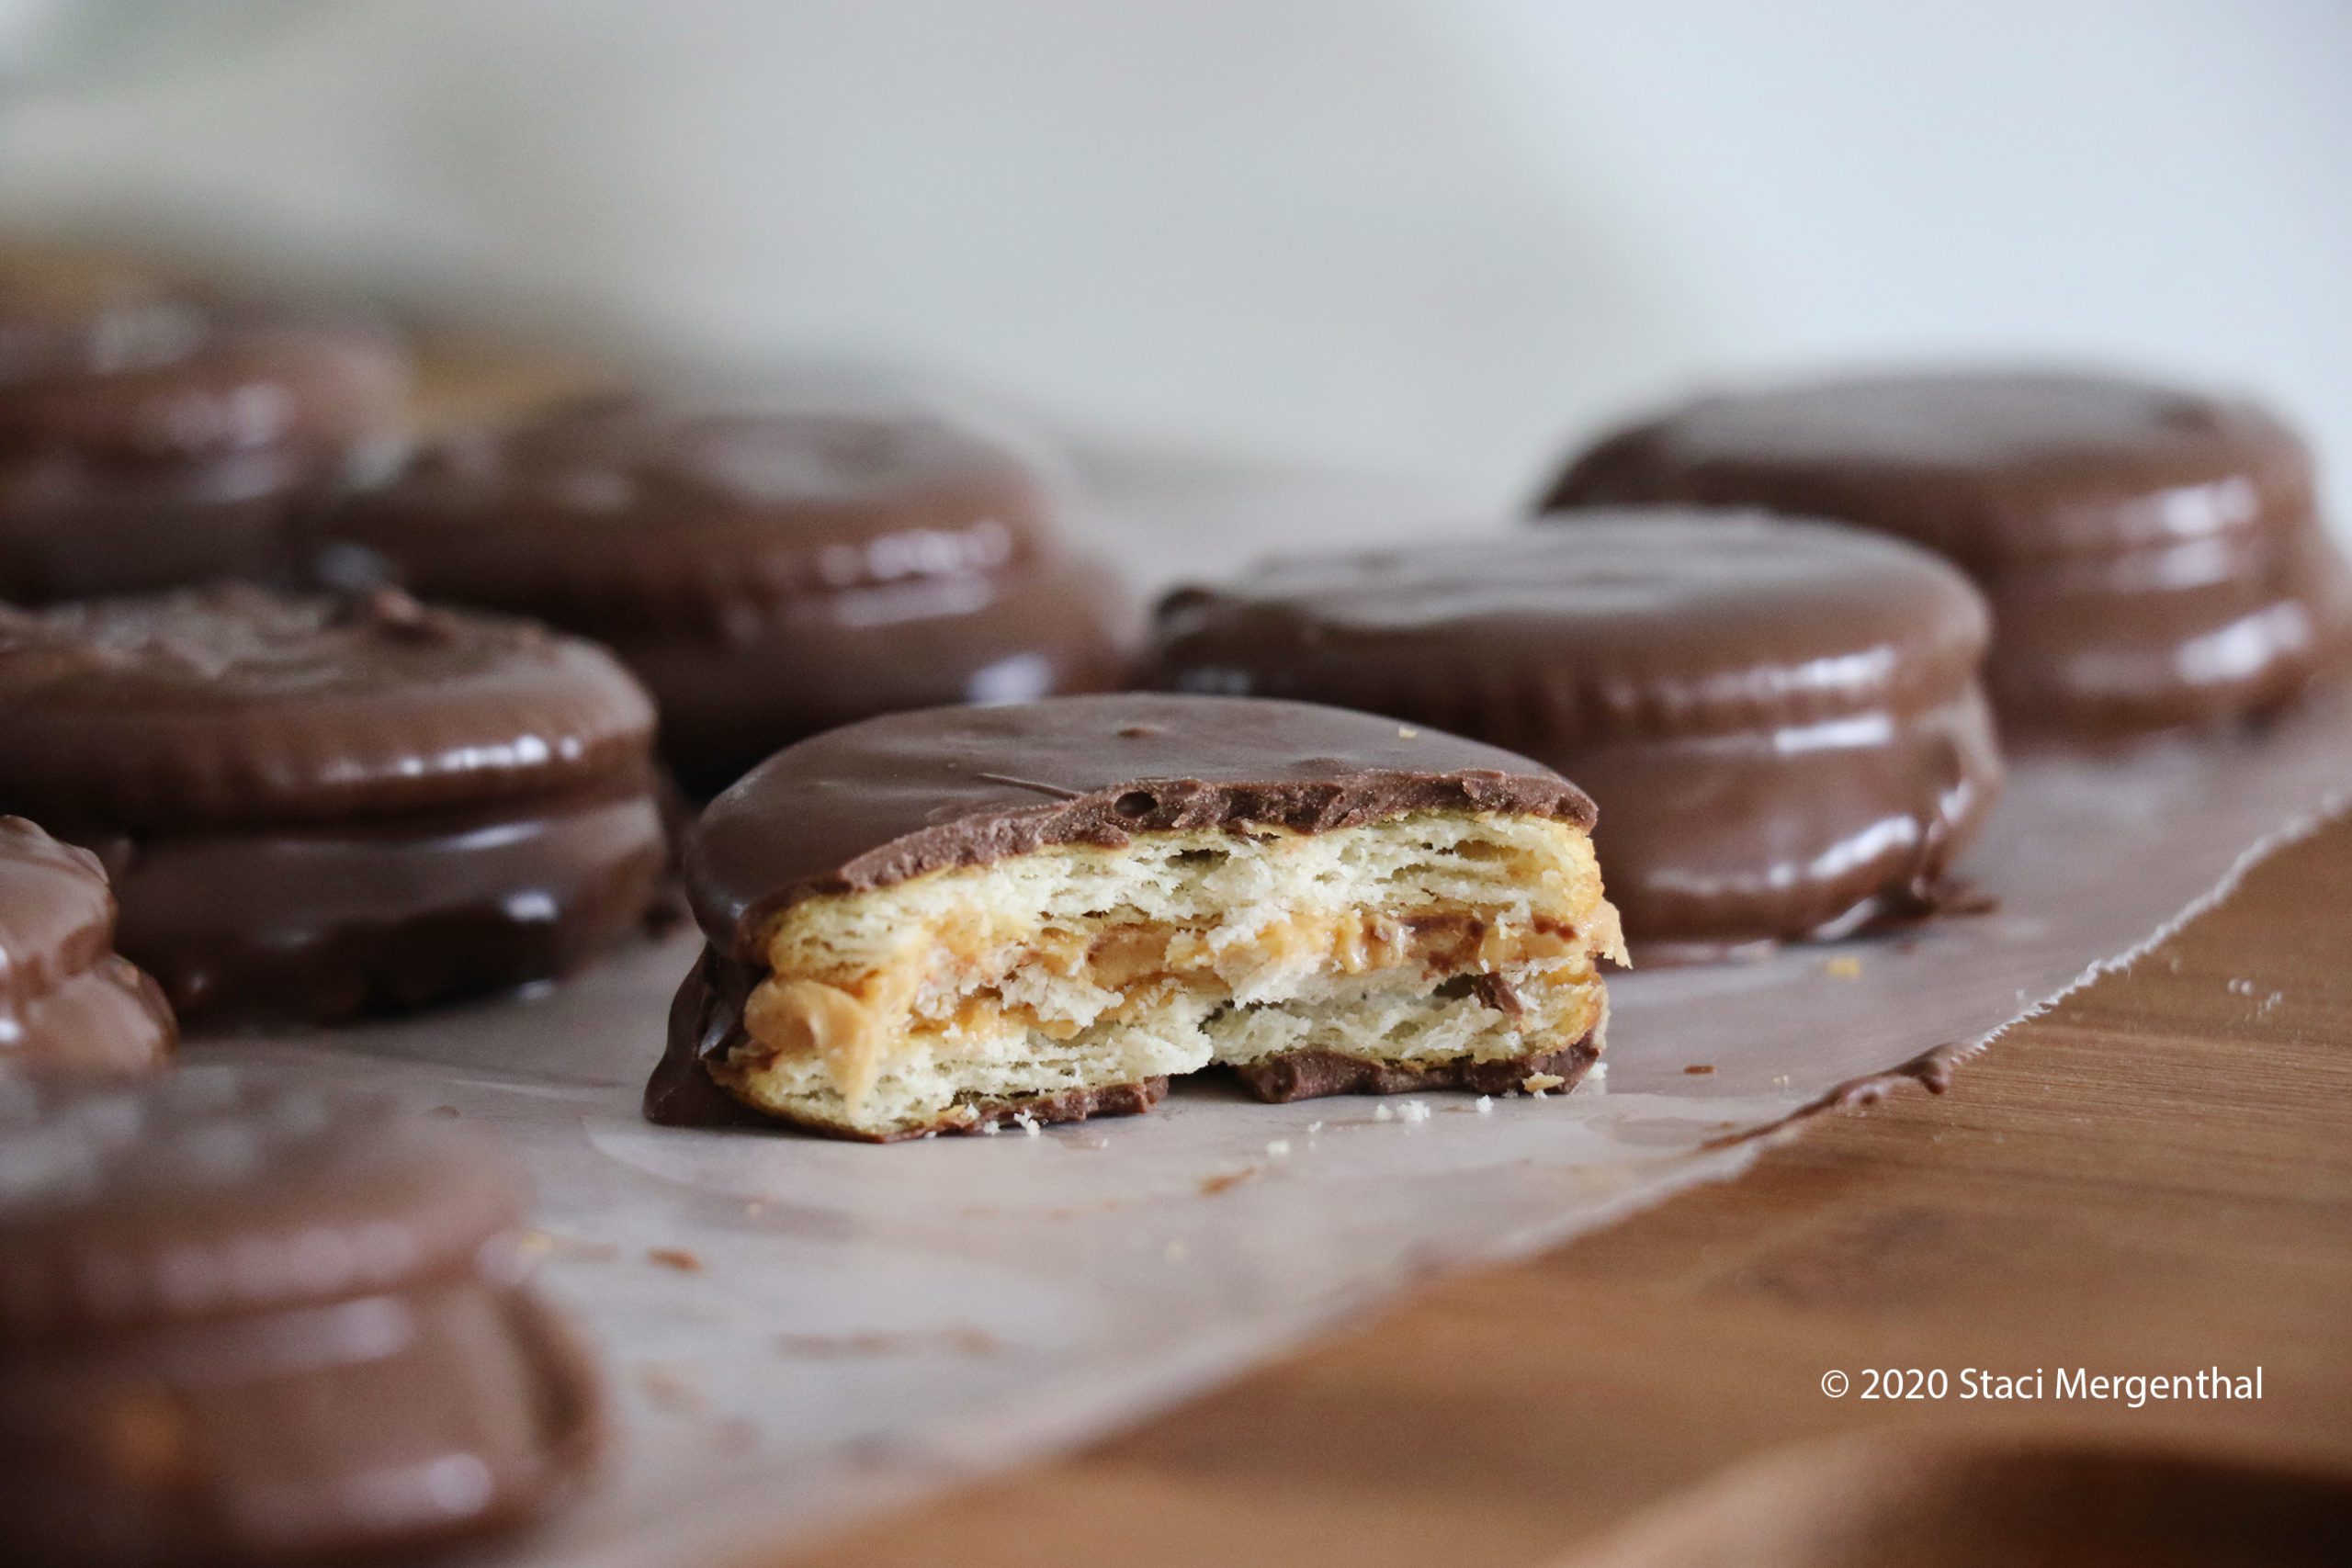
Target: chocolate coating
pixel 235 705
pixel 314 388
pixel 68 1006
pixel 242 1322
pixel 315 808
pixel 1312 1075
pixel 72 530
pixel 896 797
pixel 149 441
pixel 768 574
pixel 2151 555
pixel 1780 720
pixel 324 922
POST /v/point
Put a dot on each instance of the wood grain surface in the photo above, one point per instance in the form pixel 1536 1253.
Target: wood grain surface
pixel 2157 1177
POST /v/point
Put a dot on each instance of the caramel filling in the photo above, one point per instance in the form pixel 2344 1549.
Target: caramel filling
pixel 951 998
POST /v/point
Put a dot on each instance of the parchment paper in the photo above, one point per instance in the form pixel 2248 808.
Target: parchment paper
pixel 800 1331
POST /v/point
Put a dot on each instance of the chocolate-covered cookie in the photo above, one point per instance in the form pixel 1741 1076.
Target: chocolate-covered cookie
pixel 69 1006
pixel 768 574
pixel 155 441
pixel 1780 720
pixel 2153 556
pixel 315 806
pixel 937 921
pixel 242 1323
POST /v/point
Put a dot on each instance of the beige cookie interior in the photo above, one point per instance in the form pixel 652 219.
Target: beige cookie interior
pixel 1429 940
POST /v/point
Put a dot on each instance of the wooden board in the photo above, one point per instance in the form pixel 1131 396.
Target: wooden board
pixel 2157 1177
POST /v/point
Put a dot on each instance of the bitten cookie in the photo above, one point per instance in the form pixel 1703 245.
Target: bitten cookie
pixel 2153 556
pixel 150 441
pixel 242 1323
pixel 315 807
pixel 69 1006
pixel 937 921
pixel 1780 720
pixel 767 575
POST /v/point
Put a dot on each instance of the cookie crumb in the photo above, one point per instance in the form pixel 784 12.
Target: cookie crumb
pixel 1381 1113
pixel 1843 966
pixel 1406 732
pixel 677 1257
pixel 1700 1069
pixel 1413 1111
pixel 1485 1106
pixel 1279 1147
pixel 1536 1083
pixel 1175 1252
pixel 1226 1180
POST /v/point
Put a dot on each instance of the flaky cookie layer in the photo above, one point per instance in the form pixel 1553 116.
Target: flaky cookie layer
pixel 1426 944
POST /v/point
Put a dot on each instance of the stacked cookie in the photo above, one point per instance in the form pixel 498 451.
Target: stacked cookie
pixel 148 439
pixel 1780 720
pixel 317 807
pixel 768 572
pixel 2153 556
pixel 243 1322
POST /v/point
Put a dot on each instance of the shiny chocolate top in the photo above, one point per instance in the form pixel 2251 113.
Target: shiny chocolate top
pixel 56 914
pixel 1983 465
pixel 634 515
pixel 1634 622
pixel 892 799
pixel 211 1192
pixel 69 1006
pixel 240 387
pixel 238 706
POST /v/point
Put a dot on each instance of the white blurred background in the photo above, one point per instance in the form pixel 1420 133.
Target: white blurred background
pixel 1427 239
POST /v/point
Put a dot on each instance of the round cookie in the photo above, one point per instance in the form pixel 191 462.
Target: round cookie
pixel 941 921
pixel 242 1322
pixel 134 457
pixel 768 574
pixel 314 806
pixel 1780 721
pixel 69 1006
pixel 2152 556
pixel 317 387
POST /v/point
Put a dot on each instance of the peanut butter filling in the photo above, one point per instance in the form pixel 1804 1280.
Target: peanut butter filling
pixel 948 993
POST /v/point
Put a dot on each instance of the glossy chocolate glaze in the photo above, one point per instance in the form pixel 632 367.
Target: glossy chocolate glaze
pixel 313 387
pixel 2152 555
pixel 1052 627
pixel 767 573
pixel 643 515
pixel 1780 719
pixel 242 1323
pixel 67 1005
pixel 322 922
pixel 898 796
pixel 315 808
pixel 71 531
pixel 233 705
